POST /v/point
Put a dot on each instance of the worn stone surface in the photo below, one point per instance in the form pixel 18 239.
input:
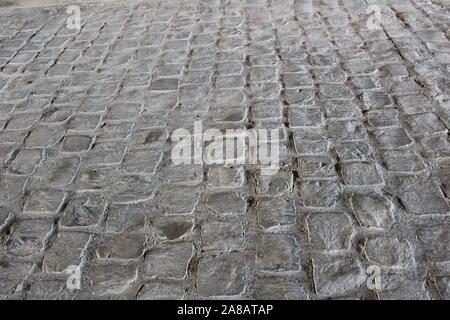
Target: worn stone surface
pixel 88 181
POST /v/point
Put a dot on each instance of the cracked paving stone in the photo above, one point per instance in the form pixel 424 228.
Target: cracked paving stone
pixel 426 123
pixel 354 151
pixel 305 117
pixel 341 109
pixel 393 138
pixel 376 100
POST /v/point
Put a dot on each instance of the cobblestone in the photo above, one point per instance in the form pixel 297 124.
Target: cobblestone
pixel 87 179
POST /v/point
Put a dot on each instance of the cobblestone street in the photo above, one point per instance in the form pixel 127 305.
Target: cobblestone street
pixel 89 189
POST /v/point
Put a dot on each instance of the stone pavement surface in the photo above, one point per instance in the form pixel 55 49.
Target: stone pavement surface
pixel 87 180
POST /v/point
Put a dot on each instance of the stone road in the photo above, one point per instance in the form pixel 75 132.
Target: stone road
pixel 87 180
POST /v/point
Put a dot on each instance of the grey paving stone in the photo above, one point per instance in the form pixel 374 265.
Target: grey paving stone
pixel 87 175
pixel 329 231
pixel 389 252
pixel 168 260
pixel 372 210
pixel 27 237
pixel 110 279
pixel 336 275
pixel 221 275
pixel 422 196
pixel 65 251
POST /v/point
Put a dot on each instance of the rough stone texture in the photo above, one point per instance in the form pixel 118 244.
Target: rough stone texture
pixel 87 178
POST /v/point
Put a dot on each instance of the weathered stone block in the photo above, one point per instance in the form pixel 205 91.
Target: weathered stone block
pixel 172 227
pixel 168 260
pixel 276 212
pixel 177 199
pixel 28 237
pixel 316 167
pixel 64 251
pixel 336 276
pixel 120 246
pixel 222 235
pixel 110 279
pixel 225 177
pixel 12 273
pixel 276 184
pixel 25 161
pixel 389 252
pixel 361 174
pixel 372 210
pixel 347 130
pixel 277 252
pixel 319 193
pixel 422 195
pixel 126 217
pixel 222 275
pixel 329 231
pixel 279 288
pixel 226 203
pixel 44 202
